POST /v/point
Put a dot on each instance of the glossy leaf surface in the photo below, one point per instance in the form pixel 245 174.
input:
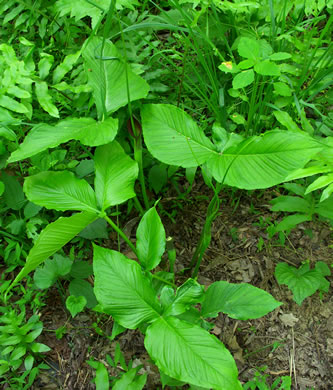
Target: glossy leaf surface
pixel 263 161
pixel 106 72
pixel 115 176
pixel 150 241
pixel 60 191
pixel 188 353
pixel 86 130
pixel 53 238
pixel 173 137
pixel 123 290
pixel 240 301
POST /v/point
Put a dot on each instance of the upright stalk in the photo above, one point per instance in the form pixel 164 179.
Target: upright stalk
pixel 121 234
pixel 212 212
pixel 136 130
pixel 138 159
pixel 252 105
pixel 132 246
pixel 206 234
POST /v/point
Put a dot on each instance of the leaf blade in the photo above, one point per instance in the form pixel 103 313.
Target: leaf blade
pixel 115 176
pixel 122 289
pixel 168 130
pixel 262 162
pixel 60 191
pixel 52 238
pixel 86 130
pixel 188 353
pixel 107 77
pixel 151 239
pixel 240 301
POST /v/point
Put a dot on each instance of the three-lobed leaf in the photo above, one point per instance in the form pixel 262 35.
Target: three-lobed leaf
pixel 263 161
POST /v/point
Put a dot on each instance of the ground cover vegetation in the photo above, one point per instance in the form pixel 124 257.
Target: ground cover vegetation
pixel 109 108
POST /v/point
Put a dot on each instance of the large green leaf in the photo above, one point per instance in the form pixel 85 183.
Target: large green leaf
pixel 150 239
pixel 239 301
pixel 123 290
pixel 106 72
pixel 263 161
pixel 188 353
pixel 60 191
pixel 86 130
pixel 52 238
pixel 173 137
pixel 115 176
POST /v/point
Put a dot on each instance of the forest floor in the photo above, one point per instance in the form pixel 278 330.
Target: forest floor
pixel 292 340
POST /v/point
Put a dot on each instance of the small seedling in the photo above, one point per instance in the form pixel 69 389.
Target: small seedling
pixel 303 281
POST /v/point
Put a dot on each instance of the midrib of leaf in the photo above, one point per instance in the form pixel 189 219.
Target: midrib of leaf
pixel 125 282
pixel 188 138
pixel 261 154
pixel 54 191
pixel 186 343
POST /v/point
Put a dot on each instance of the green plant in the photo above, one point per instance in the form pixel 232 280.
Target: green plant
pixel 76 272
pixel 175 335
pixel 304 203
pixel 303 281
pixel 18 346
pixel 249 163
pixel 96 84
pixel 128 378
pixel 260 381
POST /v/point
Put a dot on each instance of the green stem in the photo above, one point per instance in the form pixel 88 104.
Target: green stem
pixel 252 104
pixel 138 206
pixel 205 237
pixel 137 135
pixel 305 72
pixel 163 280
pixel 212 212
pixel 129 243
pixel 138 159
pixel 122 235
